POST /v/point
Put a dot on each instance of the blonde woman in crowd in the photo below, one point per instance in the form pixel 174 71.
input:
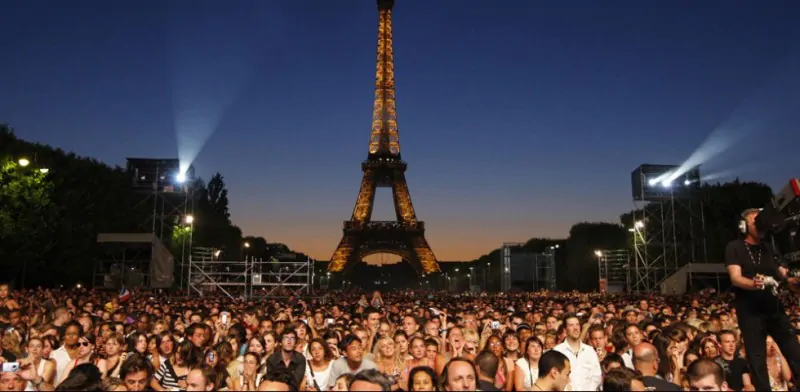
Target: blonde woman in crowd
pixel 388 359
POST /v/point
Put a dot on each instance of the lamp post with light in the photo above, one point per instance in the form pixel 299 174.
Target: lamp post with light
pixel 245 247
pixel 601 273
pixel 189 220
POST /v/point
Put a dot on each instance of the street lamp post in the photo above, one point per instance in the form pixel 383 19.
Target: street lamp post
pixel 189 220
pixel 600 272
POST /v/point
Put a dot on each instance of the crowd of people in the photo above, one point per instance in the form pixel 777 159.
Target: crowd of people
pixel 348 341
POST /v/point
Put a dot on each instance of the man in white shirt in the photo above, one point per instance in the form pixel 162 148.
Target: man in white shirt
pixel 586 374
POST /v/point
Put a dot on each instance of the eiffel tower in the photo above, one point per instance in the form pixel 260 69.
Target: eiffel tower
pixel 384 167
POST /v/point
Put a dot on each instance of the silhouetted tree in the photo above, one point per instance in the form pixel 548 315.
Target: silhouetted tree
pixel 212 224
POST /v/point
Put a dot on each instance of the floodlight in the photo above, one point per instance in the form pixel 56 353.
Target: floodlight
pixel 181 177
pixel 598 253
pixel 24 162
pixel 44 170
pixel 189 219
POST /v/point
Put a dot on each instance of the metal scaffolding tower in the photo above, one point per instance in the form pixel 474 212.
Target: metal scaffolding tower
pixel 668 227
pixel 505 272
pixel 613 270
pixel 248 278
pixel 524 269
pixel 160 192
pixel 207 275
pixel 273 278
pixel 544 270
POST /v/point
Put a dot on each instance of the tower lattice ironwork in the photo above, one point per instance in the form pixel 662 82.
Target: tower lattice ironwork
pixel 384 167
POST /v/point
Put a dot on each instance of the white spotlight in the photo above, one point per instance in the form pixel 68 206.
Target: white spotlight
pixel 667 183
pixel 686 182
pixel 652 182
pixel 181 177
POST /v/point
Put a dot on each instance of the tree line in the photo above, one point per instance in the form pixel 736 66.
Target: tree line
pixel 53 207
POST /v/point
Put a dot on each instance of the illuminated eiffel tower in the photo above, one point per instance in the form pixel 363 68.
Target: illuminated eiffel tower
pixel 384 167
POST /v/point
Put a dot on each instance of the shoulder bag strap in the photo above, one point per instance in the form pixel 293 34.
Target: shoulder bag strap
pixel 313 378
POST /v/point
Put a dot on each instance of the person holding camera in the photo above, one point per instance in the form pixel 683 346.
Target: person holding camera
pixel 752 263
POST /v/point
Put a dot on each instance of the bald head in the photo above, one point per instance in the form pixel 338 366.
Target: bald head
pixel 645 352
pixel 645 359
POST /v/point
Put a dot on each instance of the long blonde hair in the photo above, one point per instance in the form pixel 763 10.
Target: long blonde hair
pixel 12 342
pixel 397 359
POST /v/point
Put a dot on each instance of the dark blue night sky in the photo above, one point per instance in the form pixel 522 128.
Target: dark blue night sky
pixel 517 118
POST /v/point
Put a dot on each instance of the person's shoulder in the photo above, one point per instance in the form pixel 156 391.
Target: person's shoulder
pixel 339 362
pixel 732 252
pixel 561 347
pixel 660 384
pixel 734 244
pixel 739 361
pixel 368 364
pixel 276 356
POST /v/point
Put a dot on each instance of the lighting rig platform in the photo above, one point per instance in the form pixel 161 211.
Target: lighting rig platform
pixel 668 226
pixel 142 257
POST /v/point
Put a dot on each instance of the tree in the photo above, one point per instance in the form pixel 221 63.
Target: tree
pixel 217 197
pixel 212 225
pixel 26 219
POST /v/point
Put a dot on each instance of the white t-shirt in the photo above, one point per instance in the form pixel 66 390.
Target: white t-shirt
pixel 321 376
pixel 530 370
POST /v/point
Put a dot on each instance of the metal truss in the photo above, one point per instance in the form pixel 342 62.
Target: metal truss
pixel 539 267
pixel 505 272
pixel 667 235
pixel 613 269
pixel 271 278
pixel 250 278
pixel 544 270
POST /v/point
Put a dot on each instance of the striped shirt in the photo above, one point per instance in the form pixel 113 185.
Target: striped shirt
pixel 166 378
